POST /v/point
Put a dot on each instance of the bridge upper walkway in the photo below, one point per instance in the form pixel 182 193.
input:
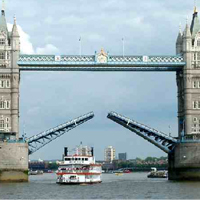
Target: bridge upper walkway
pixel 100 63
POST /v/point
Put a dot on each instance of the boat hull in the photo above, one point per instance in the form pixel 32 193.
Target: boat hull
pixel 78 183
pixel 155 176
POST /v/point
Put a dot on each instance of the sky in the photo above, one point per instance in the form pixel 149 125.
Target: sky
pixel 47 99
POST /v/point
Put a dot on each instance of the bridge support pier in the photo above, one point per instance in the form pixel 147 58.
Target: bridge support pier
pixel 13 162
pixel 184 162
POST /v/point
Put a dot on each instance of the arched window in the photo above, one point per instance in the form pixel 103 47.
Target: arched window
pixel 2 41
pixel 2 124
pixel 1 104
pixel 194 84
pixel 8 83
pixel 8 104
pixel 198 42
pixel 5 104
pixel 2 55
pixel 1 83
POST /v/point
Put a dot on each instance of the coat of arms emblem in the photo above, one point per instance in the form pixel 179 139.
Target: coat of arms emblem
pixel 102 57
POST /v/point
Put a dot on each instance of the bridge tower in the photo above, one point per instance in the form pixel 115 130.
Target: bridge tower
pixel 188 80
pixel 9 78
pixel 184 160
pixel 13 151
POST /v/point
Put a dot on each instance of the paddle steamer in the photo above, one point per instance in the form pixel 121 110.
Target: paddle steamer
pixel 79 168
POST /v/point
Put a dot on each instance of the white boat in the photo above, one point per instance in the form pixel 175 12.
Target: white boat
pixel 37 172
pixel 157 174
pixel 79 168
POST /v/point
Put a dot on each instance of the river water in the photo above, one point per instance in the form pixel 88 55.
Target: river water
pixel 127 186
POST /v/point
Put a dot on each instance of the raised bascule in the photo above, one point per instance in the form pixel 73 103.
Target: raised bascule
pixel 183 151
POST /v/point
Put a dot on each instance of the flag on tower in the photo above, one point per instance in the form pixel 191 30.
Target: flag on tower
pixel 123 46
pixel 80 47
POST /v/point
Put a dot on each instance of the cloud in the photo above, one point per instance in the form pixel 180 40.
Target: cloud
pixel 48 49
pixel 26 45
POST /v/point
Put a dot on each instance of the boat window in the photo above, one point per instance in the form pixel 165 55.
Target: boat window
pixel 79 158
pixel 67 159
pixel 76 158
pixel 72 158
pixel 86 159
pixel 82 158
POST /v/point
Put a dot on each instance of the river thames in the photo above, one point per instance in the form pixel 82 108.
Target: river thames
pixel 127 186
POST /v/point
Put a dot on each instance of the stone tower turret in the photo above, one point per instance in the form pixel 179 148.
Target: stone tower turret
pixel 15 50
pixel 179 42
pixel 9 80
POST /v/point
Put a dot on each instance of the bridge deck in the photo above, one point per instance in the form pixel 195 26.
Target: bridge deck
pixel 93 63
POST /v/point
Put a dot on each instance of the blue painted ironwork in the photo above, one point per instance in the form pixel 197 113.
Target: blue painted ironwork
pixel 91 63
pixel 159 139
pixel 38 141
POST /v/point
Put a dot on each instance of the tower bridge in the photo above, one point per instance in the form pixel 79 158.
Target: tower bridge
pixel 183 151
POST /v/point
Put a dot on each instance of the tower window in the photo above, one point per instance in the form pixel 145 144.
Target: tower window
pixel 8 55
pixel 4 104
pixel 198 56
pixel 2 41
pixel 198 42
pixel 194 84
pixel 2 124
pixel 8 83
pixel 1 104
pixel 1 83
pixel 8 104
pixel 195 119
pixel 5 83
pixel 2 55
pixel 196 104
pixel 195 56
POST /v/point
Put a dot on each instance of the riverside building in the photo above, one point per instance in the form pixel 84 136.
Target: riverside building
pixel 109 154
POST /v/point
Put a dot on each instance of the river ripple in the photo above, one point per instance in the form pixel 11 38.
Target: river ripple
pixel 127 186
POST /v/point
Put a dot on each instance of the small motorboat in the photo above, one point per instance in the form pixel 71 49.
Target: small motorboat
pixel 127 171
pixel 157 174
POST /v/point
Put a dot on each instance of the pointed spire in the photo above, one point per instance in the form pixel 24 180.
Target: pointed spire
pixel 3 24
pixel 3 8
pixel 179 38
pixel 195 25
pixel 187 32
pixel 15 32
pixel 180 28
pixel 195 7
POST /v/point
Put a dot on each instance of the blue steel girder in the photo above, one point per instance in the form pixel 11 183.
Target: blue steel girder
pixel 38 141
pixel 159 139
pixel 91 63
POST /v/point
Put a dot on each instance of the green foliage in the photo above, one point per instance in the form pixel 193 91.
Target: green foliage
pixel 139 164
pixel 52 166
pixel 25 172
